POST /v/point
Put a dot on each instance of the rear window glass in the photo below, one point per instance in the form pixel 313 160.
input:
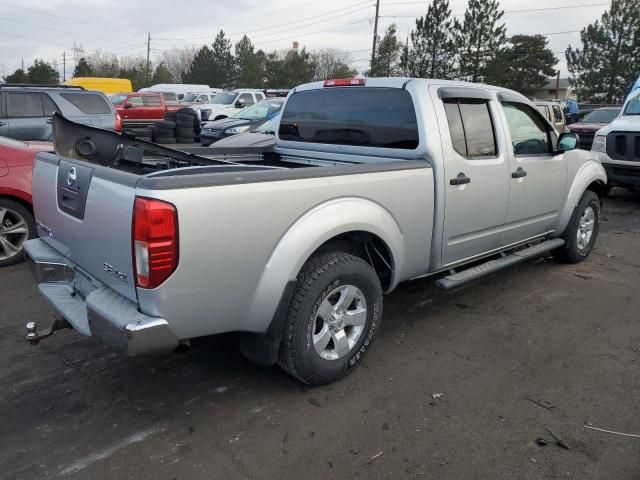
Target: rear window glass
pixel 367 117
pixel 25 105
pixel 88 103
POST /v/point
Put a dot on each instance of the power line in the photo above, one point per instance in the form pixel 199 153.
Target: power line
pixel 528 10
pixel 47 27
pixel 367 2
pixel 69 19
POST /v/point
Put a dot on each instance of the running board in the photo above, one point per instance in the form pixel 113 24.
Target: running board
pixel 457 279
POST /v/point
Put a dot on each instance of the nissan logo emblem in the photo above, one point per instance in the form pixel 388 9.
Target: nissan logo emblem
pixel 72 176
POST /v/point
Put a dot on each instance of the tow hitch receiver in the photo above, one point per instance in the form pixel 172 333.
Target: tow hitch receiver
pixel 34 336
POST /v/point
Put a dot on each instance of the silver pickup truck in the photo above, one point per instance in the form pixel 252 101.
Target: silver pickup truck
pixel 373 182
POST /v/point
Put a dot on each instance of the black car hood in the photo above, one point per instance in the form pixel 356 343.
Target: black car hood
pixel 231 122
pixel 249 139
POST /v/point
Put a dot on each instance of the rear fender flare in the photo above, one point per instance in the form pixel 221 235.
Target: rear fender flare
pixel 306 235
pixel 588 173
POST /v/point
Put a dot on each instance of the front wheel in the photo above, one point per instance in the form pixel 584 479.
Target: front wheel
pixel 332 319
pixel 582 230
pixel 16 226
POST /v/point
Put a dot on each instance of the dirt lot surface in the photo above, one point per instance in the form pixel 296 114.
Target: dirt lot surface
pixel 540 346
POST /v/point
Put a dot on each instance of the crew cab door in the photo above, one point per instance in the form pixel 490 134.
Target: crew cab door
pixel 137 111
pixel 475 172
pixel 537 178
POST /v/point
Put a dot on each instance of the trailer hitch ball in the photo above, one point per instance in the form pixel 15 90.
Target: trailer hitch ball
pixel 34 336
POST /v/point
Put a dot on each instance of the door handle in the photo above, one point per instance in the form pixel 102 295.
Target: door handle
pixel 49 121
pixel 519 173
pixel 461 179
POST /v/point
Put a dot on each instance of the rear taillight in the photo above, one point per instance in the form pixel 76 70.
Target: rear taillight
pixel 118 123
pixel 155 241
pixel 344 82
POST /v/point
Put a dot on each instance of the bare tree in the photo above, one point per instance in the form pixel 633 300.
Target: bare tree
pixel 332 63
pixel 104 64
pixel 178 61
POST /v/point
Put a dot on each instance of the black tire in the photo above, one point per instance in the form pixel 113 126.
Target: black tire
pixel 165 125
pixel 186 111
pixel 163 133
pixel 165 140
pixel 185 139
pixel 186 119
pixel 571 252
pixel 170 116
pixel 8 241
pixel 318 281
pixel 184 132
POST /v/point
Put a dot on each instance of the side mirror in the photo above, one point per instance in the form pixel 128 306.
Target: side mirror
pixel 567 141
pixel 240 104
pixel 127 105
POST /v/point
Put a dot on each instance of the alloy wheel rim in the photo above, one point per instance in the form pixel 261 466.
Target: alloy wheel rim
pixel 339 322
pixel 586 226
pixel 13 233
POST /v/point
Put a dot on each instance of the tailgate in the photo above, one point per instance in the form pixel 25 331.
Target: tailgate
pixel 85 212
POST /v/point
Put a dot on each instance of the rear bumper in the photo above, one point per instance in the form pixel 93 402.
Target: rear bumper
pixel 92 308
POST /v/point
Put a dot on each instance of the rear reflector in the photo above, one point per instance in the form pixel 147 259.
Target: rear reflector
pixel 155 241
pixel 344 82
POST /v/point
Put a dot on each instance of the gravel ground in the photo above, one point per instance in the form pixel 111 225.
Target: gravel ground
pixel 458 386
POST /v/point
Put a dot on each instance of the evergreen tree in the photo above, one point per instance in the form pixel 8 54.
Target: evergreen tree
pixel 42 72
pixel 609 61
pixel 432 43
pixel 161 74
pixel 524 65
pixel 19 76
pixel 288 69
pixel 137 72
pixel 249 65
pixel 223 62
pixel 387 60
pixel 478 38
pixel 83 69
pixel 201 69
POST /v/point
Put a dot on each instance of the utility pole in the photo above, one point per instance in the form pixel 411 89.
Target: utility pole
pixel 64 66
pixel 22 64
pixel 375 33
pixel 148 54
pixel 558 85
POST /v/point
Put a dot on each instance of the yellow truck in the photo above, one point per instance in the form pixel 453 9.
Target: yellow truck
pixel 107 86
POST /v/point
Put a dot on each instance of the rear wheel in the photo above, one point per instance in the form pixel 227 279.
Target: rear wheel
pixel 332 319
pixel 16 226
pixel 582 230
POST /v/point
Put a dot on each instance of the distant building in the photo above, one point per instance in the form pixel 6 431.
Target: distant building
pixel 548 92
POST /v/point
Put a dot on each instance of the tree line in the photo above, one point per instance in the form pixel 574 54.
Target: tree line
pixel 475 49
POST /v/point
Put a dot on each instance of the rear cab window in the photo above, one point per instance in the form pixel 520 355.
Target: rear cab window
pixel 359 116
pixel 88 103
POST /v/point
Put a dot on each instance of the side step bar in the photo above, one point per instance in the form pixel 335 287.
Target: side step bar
pixel 457 279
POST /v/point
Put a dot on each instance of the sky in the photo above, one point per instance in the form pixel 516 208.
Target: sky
pixel 46 29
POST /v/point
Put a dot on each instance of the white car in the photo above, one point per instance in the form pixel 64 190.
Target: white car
pixel 227 103
pixel 618 146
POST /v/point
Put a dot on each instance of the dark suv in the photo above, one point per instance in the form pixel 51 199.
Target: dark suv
pixel 26 110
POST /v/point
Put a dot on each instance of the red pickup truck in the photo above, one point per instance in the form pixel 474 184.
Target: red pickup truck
pixel 141 109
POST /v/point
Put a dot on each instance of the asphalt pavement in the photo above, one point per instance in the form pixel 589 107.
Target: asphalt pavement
pixel 459 385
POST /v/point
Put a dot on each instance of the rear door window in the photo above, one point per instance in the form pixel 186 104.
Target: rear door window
pixel 471 127
pixel 367 117
pixel 49 106
pixel 89 103
pixel 150 101
pixel 21 105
